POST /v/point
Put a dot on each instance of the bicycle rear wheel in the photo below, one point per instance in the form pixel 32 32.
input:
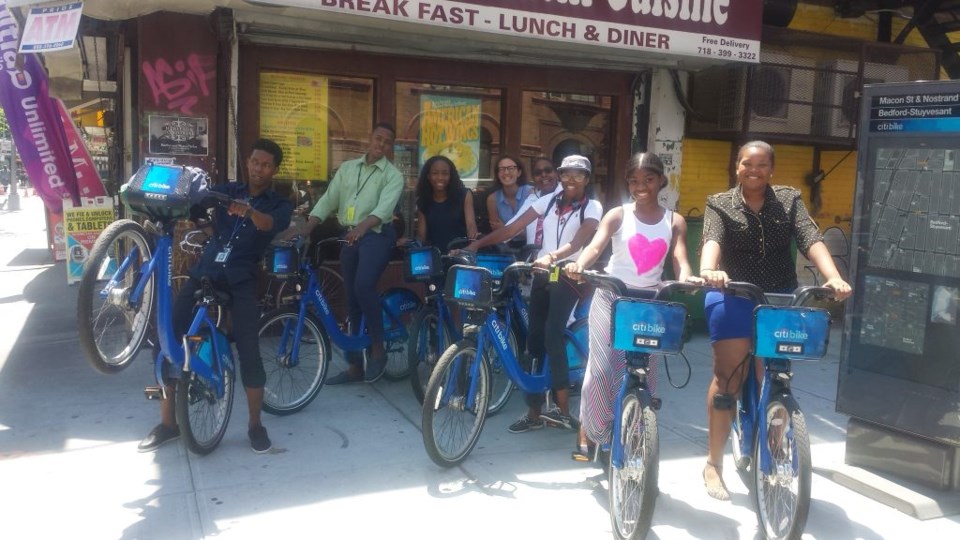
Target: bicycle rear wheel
pixel 451 424
pixel 633 487
pixel 429 338
pixel 404 304
pixel 201 414
pixel 292 383
pixel 782 494
pixel 111 327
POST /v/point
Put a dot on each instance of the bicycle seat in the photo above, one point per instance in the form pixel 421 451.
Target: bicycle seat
pixel 210 294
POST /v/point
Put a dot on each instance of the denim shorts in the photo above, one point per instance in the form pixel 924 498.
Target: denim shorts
pixel 728 316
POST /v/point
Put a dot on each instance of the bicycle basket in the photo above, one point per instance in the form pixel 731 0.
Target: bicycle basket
pixel 470 286
pixel 794 333
pixel 495 263
pixel 422 264
pixel 648 326
pixel 282 262
pixel 164 192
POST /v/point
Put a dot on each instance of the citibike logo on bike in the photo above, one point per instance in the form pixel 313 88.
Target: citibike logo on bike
pixel 421 263
pixel 791 332
pixel 498 330
pixel 648 326
pixel 318 296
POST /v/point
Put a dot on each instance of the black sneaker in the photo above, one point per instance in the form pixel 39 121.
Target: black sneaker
pixel 259 441
pixel 524 424
pixel 374 369
pixel 344 377
pixel 157 437
pixel 555 418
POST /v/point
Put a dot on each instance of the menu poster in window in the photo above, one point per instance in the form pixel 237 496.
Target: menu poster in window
pixel 294 113
pixel 178 135
pixel 450 127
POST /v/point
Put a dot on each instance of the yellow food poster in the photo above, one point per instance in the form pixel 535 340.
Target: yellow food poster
pixel 450 127
pixel 293 112
pixel 83 225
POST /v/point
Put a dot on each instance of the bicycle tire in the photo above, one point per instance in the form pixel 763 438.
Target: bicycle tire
pixel 501 385
pixel 288 389
pixel 446 415
pixel 202 416
pixel 782 498
pixel 396 332
pixel 422 354
pixel 633 487
pixel 111 332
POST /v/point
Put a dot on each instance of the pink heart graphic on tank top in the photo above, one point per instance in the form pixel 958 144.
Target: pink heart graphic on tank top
pixel 646 254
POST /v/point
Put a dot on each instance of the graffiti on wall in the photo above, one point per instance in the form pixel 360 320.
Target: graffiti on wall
pixel 181 84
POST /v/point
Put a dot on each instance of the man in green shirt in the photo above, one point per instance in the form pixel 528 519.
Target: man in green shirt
pixel 364 194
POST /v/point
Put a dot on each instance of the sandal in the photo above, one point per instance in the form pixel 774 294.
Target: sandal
pixel 584 453
pixel 718 492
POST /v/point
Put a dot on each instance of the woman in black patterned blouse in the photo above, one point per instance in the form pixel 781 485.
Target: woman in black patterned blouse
pixel 746 237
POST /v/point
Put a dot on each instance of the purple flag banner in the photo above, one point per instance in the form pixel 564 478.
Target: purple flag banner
pixel 34 120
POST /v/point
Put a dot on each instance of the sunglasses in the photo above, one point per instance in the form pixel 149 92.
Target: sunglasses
pixel 547 170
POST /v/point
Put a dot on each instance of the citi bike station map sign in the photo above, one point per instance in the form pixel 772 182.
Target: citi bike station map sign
pixel 900 366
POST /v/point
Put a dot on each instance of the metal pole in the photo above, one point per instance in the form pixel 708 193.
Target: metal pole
pixel 13 199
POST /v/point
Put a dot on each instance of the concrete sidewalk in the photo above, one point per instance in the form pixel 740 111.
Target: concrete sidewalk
pixel 352 465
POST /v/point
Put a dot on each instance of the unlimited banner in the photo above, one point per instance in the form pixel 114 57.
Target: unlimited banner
pixel 293 112
pixel 450 127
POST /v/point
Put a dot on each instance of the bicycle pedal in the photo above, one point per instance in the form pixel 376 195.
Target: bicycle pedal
pixel 155 392
pixel 656 403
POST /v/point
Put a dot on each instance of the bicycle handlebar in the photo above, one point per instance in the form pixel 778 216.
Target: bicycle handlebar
pixel 620 288
pixel 798 297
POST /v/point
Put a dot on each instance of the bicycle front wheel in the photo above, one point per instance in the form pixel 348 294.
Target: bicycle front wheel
pixel 292 381
pixel 782 494
pixel 428 339
pixel 451 421
pixel 201 414
pixel 111 326
pixel 633 486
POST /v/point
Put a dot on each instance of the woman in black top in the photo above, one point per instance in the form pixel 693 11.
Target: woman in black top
pixel 746 237
pixel 444 205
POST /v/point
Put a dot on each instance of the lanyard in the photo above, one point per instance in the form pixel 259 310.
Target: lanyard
pixel 238 223
pixel 364 184
pixel 561 222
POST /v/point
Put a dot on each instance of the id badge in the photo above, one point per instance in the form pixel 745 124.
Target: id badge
pixel 555 274
pixel 351 211
pixel 223 255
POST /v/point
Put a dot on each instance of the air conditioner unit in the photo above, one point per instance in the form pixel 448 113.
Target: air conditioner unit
pixel 781 96
pixel 838 94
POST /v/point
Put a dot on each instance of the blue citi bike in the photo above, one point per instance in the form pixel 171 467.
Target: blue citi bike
pixel 125 297
pixel 771 446
pixel 457 396
pixel 641 325
pixel 434 328
pixel 295 339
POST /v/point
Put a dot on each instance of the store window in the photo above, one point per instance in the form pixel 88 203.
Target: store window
pixel 556 125
pixel 319 120
pixel 459 122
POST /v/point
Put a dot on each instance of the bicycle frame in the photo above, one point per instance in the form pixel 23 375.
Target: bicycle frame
pixel 637 367
pixel 313 296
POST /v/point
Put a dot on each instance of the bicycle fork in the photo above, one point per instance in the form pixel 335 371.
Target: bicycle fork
pixel 776 382
pixel 637 368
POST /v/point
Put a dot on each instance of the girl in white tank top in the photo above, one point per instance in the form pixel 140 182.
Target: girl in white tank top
pixel 639 250
pixel 644 234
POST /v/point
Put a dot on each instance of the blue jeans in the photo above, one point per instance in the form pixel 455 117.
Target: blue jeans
pixel 362 264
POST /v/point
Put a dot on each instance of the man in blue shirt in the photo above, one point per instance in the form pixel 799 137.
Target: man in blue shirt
pixel 242 233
